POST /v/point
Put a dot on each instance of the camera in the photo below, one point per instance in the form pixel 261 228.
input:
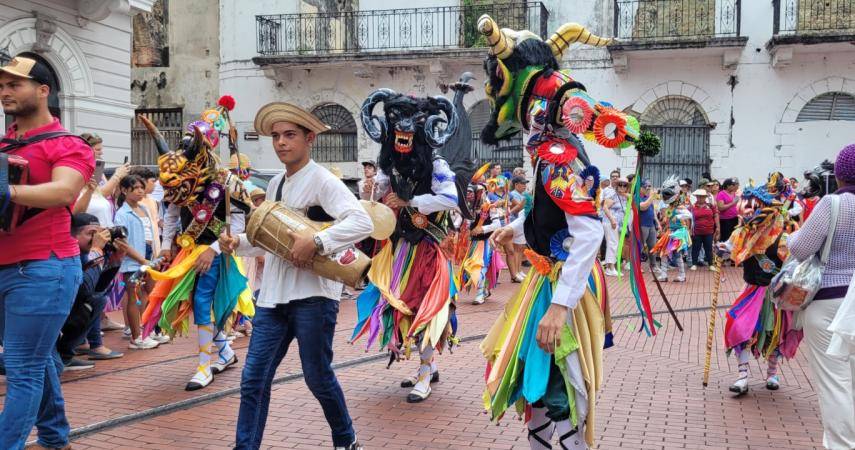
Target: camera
pixel 116 232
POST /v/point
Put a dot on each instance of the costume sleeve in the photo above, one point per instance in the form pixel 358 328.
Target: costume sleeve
pixel 238 227
pixel 795 209
pixel 493 226
pixel 170 225
pixel 352 222
pixel 809 239
pixel 573 280
pixel 444 197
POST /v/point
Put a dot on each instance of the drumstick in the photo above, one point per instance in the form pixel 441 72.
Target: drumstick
pixel 713 313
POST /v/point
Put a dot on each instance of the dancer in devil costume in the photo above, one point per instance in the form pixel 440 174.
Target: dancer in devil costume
pixel 410 300
pixel 754 325
pixel 483 263
pixel 203 198
pixel 544 352
pixel 676 238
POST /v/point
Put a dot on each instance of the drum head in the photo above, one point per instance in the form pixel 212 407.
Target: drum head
pixel 383 218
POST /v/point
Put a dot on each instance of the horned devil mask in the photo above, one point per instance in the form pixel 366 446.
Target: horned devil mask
pixel 408 131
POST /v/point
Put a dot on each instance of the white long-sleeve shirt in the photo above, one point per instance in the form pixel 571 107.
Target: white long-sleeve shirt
pixel 587 234
pixel 444 197
pixel 312 185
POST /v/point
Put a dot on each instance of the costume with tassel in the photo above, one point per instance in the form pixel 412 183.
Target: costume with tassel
pixel 555 392
pixel 410 300
pixel 753 324
pixel 204 200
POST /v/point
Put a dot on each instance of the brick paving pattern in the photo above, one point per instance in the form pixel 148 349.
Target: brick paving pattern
pixel 652 399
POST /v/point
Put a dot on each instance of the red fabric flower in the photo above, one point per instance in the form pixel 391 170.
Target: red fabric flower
pixel 577 115
pixel 557 151
pixel 609 128
pixel 227 101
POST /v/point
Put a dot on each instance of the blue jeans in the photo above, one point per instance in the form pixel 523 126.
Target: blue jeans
pixel 312 322
pixel 35 298
pixel 206 288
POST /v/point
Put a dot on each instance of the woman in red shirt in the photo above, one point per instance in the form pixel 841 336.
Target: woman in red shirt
pixel 705 228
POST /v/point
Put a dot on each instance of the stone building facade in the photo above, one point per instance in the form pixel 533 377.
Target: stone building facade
pixel 175 63
pixel 737 88
pixel 87 43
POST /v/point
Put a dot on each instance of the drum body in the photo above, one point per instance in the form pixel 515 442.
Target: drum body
pixel 11 214
pixel 270 225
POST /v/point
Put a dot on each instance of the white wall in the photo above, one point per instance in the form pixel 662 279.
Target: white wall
pixel 93 63
pixel 763 103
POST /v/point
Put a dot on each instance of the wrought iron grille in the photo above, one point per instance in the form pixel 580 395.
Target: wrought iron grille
pixel 170 123
pixel 391 29
pixel 339 143
pixel 814 16
pixel 685 153
pixel 508 153
pixel 651 20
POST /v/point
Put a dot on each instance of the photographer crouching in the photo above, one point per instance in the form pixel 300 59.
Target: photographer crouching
pixel 39 261
pixel 101 253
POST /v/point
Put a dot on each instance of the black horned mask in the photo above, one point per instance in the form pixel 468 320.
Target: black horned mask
pixel 408 131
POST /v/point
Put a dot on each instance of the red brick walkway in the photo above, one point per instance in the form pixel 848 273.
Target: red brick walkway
pixel 652 399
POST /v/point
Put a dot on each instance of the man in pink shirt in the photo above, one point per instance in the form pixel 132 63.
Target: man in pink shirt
pixel 40 268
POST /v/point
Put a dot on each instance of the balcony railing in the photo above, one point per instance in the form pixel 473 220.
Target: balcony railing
pixel 814 17
pixel 391 30
pixel 672 20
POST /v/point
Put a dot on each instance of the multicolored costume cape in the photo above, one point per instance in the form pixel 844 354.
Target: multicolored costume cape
pixel 529 92
pixel 482 264
pixel 201 196
pixel 753 322
pixel 411 296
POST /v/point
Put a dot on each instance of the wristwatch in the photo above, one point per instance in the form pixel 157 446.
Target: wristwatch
pixel 319 244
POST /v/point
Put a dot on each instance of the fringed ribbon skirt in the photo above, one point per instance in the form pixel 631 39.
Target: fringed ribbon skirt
pixel 481 267
pixel 519 373
pixel 411 291
pixel 755 323
pixel 672 241
pixel 224 290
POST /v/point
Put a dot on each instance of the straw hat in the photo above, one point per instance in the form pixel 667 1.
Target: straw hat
pixel 275 112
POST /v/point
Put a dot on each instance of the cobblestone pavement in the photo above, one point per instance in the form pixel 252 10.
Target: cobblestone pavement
pixel 652 398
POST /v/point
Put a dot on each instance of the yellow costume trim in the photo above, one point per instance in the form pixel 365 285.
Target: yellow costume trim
pixel 589 328
pixel 180 269
pixel 381 275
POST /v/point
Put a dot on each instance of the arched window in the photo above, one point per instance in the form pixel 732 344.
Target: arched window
pixel 683 129
pixel 339 143
pixel 829 106
pixel 674 111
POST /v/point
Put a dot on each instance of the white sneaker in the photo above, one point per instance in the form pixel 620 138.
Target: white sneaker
pixel 126 333
pixel 740 386
pixel 143 344
pixel 160 338
pixel 626 266
pixel 693 268
pixel 521 275
pixel 611 272
pixel 479 299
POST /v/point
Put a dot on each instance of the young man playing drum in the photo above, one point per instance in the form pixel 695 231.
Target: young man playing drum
pixel 294 302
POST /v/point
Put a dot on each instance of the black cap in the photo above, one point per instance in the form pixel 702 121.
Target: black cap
pixel 517 180
pixel 31 68
pixel 80 220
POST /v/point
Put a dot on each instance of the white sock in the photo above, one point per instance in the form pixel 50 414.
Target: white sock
pixel 206 335
pixel 224 350
pixel 540 430
pixel 423 378
pixel 569 437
